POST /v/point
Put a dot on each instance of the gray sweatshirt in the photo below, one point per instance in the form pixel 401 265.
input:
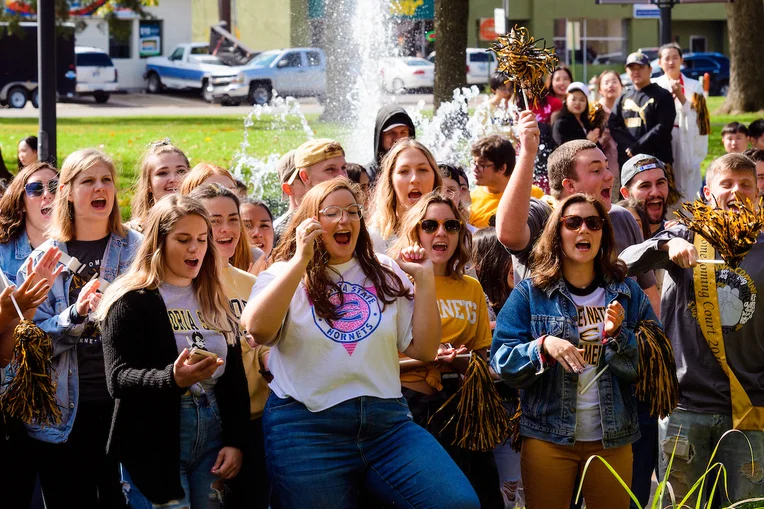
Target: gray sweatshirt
pixel 705 387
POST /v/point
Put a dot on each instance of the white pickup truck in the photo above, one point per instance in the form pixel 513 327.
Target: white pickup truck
pixel 188 66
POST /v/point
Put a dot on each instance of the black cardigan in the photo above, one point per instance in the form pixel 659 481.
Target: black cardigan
pixel 139 352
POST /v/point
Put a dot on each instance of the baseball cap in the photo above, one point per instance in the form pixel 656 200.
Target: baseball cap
pixel 638 164
pixel 637 58
pixel 580 86
pixel 315 151
pixel 285 168
pixel 393 126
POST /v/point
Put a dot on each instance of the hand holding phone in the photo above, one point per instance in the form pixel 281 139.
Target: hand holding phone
pixel 197 355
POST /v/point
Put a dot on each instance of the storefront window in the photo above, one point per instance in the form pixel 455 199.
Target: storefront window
pixel 121 38
pixel 605 40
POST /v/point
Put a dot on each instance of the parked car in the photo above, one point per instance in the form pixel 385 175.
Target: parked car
pixel 695 66
pixel 481 64
pixel 296 72
pixel 189 66
pixel 398 74
pixel 18 61
pixel 96 74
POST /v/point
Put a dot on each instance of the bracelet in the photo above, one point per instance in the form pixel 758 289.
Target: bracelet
pixel 606 340
pixel 542 355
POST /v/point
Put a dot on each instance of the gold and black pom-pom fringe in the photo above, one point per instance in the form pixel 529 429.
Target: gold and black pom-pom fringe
pixel 481 418
pixel 523 62
pixel 598 117
pixel 704 118
pixel 658 384
pixel 731 232
pixel 31 394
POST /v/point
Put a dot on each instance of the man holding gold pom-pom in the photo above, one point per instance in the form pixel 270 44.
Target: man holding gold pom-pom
pixel 710 310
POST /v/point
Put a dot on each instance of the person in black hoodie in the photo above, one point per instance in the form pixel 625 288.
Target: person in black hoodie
pixel 393 123
pixel 180 420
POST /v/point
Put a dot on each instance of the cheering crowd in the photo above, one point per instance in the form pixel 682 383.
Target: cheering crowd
pixel 206 354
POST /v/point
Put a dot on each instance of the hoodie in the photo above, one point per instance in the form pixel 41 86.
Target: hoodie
pixel 388 115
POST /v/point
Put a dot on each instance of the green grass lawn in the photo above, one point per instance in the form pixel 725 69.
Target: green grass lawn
pixel 213 139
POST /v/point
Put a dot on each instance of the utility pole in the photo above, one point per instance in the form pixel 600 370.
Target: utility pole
pixel 46 78
pixel 665 7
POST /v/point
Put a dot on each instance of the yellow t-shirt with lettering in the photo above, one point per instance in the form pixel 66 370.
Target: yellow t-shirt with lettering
pixel 463 318
pixel 238 285
pixel 484 205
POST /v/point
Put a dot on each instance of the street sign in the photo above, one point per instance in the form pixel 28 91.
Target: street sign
pixel 486 30
pixel 646 11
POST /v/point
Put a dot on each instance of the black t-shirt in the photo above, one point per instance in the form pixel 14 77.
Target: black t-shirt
pixel 92 376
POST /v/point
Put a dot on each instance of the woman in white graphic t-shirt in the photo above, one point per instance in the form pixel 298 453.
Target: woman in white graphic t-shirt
pixel 566 337
pixel 336 315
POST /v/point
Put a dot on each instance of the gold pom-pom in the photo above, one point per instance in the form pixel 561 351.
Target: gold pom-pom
pixel 598 117
pixel 731 232
pixel 704 119
pixel 658 385
pixel 31 393
pixel 481 418
pixel 523 63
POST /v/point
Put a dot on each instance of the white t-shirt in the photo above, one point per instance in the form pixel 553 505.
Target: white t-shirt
pixel 591 324
pixel 322 365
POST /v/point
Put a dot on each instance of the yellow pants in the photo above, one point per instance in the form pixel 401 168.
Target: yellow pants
pixel 549 474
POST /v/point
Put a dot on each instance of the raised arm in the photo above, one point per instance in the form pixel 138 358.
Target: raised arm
pixel 512 213
pixel 265 312
pixel 426 329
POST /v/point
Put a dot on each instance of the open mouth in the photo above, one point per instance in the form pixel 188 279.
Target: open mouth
pixel 415 195
pixel 342 238
pixel 259 245
pixel 583 245
pixel 192 262
pixel 172 189
pixel 98 203
pixel 734 206
pixel 227 241
pixel 46 211
pixel 605 193
pixel 440 246
pixel 654 206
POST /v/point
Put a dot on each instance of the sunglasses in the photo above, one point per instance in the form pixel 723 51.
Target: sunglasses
pixel 432 225
pixel 574 223
pixel 35 189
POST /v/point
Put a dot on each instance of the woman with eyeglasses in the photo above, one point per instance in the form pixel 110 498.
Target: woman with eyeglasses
pixel 86 225
pixel 163 167
pixel 25 212
pixel 336 315
pixel 436 225
pixel 566 338
pixel 408 172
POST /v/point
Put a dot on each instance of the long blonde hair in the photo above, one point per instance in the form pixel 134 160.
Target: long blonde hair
pixel 242 256
pixel 409 233
pixel 385 214
pixel 149 266
pixel 62 223
pixel 143 199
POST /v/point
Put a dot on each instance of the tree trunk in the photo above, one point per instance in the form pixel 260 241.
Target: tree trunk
pixel 745 18
pixel 450 48
pixel 340 51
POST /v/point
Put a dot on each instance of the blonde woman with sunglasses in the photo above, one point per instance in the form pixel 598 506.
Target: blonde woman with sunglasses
pixel 566 337
pixel 436 225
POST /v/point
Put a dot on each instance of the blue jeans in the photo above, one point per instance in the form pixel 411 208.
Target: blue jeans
pixel 696 441
pixel 200 442
pixel 323 459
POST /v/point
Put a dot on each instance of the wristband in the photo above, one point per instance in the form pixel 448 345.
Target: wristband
pixel 542 355
pixel 606 340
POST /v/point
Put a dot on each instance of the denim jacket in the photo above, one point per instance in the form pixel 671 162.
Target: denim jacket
pixel 54 317
pixel 14 253
pixel 549 393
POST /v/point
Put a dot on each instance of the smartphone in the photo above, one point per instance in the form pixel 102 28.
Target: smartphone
pixel 197 355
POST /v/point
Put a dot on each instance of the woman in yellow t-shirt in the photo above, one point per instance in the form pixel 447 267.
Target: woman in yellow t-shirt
pixel 436 224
